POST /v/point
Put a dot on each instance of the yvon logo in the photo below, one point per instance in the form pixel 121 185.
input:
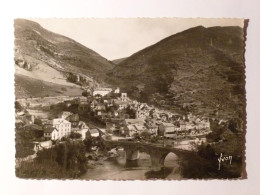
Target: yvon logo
pixel 222 159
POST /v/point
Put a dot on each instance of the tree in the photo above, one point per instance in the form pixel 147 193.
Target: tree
pixel 145 135
pixel 234 125
pixel 130 112
pixel 37 121
pixel 88 142
pixel 18 106
pixel 74 135
pixel 206 152
pixel 86 93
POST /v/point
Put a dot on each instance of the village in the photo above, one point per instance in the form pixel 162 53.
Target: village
pixel 116 116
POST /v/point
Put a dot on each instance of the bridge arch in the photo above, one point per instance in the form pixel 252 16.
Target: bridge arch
pixel 165 156
pixel 157 154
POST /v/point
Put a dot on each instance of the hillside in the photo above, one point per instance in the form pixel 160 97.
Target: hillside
pixel 50 57
pixel 26 87
pixel 199 70
pixel 118 61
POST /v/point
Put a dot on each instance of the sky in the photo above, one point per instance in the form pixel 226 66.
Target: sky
pixel 116 38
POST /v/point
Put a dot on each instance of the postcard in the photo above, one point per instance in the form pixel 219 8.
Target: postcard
pixel 130 98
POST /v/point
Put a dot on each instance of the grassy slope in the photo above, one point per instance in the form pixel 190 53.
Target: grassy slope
pixel 29 87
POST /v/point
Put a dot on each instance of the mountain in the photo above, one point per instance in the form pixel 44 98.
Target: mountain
pixel 199 70
pixel 53 58
pixel 117 61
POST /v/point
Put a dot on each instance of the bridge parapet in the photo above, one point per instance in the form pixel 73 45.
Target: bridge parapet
pixel 157 153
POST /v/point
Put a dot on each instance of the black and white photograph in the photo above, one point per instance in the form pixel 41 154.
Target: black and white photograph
pixel 130 98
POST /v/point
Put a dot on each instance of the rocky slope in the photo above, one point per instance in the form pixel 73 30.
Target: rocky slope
pixel 199 70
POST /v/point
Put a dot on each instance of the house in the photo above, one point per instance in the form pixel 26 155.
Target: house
pixel 117 90
pixel 152 129
pixel 69 103
pixel 50 132
pixel 29 119
pixel 99 109
pixel 83 104
pixel 73 119
pixel 206 123
pixel 132 129
pixel 82 132
pixel 93 133
pixel 42 145
pixel 182 126
pixel 82 125
pixel 62 126
pixel 101 91
pixel 124 97
pixel 93 104
pixel 143 113
pixel 64 114
pixel 132 126
pixel 167 130
pixel 121 104
pixel 129 130
pixel 134 121
pixel 19 123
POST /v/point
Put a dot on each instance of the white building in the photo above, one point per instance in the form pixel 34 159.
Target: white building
pixel 117 90
pixel 62 126
pixel 101 91
pixel 82 129
pixel 42 145
pixel 123 97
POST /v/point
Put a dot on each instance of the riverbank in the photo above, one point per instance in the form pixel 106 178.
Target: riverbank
pixel 118 168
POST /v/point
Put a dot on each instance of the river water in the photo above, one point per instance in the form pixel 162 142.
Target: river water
pixel 118 168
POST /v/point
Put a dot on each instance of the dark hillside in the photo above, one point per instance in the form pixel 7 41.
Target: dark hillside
pixel 197 68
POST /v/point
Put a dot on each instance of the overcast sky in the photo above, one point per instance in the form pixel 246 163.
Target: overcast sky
pixel 117 38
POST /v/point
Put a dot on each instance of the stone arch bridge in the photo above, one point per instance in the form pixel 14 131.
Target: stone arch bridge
pixel 157 152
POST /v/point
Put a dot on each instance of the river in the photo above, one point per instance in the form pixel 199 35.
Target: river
pixel 118 168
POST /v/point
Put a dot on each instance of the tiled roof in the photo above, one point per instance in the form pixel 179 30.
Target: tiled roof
pixel 48 128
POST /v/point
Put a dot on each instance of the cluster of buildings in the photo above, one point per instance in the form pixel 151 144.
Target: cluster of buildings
pixel 55 129
pixel 121 115
pixel 125 117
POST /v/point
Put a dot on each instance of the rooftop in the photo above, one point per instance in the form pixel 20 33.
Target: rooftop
pixel 103 89
pixel 48 128
pixel 58 121
pixel 134 121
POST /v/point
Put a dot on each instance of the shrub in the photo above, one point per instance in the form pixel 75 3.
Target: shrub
pixel 18 106
pixel 62 161
pixel 206 152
